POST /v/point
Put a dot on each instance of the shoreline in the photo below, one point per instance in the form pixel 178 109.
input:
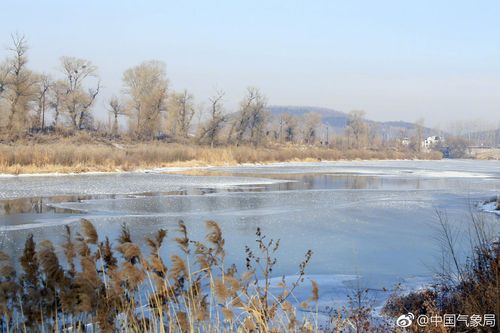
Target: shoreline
pixel 180 167
pixel 67 157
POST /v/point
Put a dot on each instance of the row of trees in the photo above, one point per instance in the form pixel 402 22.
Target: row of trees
pixel 148 109
pixel 37 102
pixel 477 132
pixel 26 97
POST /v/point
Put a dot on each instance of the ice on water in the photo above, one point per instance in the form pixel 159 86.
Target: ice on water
pixel 369 223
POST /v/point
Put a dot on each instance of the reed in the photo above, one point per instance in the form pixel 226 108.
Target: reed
pixel 108 287
pixel 119 287
pixel 467 287
pixel 69 155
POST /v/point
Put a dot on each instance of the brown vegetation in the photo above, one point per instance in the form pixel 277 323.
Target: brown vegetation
pixel 488 154
pixel 83 153
pixel 111 287
pixel 122 288
pixel 465 288
pixel 37 108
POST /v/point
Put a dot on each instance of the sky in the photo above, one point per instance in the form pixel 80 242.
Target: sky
pixel 396 60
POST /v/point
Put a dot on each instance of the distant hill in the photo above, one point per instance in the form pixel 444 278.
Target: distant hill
pixel 337 120
pixel 329 117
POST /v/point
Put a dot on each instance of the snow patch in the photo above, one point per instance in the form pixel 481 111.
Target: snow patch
pixel 490 207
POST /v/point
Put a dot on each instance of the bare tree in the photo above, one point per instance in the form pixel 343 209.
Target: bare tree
pixel 78 101
pixel 310 126
pixel 258 116
pixel 419 128
pixel 44 84
pixel 181 113
pixel 18 85
pixel 289 127
pixel 210 131
pixel 146 86
pixel 4 74
pixel 242 120
pixel 116 109
pixel 457 147
pixel 273 130
pixel 251 118
pixel 374 135
pixel 356 127
pixel 57 95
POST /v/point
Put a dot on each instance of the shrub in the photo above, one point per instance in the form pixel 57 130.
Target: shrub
pixel 467 288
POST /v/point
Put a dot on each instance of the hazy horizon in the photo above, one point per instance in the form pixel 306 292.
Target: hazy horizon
pixel 395 60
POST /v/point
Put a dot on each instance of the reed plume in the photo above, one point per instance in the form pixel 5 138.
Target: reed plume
pixel 129 292
pixel 183 241
pixel 89 231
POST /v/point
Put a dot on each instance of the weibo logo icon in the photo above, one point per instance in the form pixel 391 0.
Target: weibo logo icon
pixel 405 320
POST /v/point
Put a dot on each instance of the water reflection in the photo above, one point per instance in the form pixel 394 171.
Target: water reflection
pixel 38 205
pixel 19 210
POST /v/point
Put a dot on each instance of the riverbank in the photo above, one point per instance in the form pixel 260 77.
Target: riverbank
pixel 66 156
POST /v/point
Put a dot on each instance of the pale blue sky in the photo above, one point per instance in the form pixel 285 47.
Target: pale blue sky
pixel 393 59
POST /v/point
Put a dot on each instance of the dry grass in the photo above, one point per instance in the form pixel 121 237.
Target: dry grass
pixel 70 155
pixel 121 288
pixel 462 287
pixel 490 154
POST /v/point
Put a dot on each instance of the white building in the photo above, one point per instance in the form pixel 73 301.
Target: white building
pixel 431 142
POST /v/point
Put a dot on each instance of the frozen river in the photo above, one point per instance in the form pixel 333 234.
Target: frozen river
pixel 369 223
